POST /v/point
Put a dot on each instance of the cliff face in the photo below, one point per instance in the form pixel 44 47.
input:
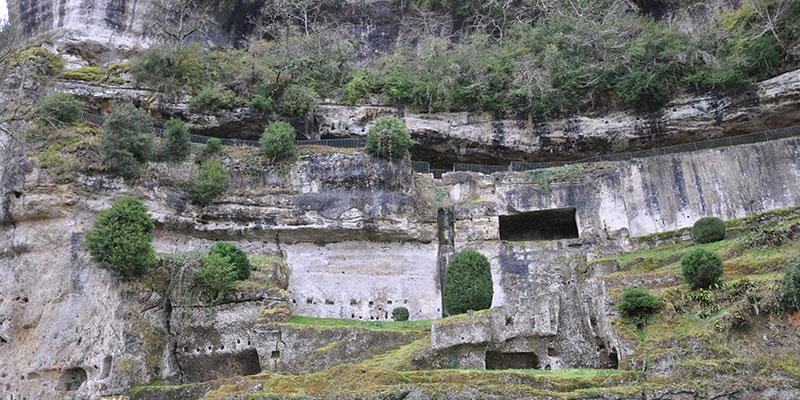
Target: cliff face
pixel 360 237
pixel 374 23
pixel 444 138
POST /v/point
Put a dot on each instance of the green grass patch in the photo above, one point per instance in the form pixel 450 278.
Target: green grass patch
pixel 329 323
pixel 111 74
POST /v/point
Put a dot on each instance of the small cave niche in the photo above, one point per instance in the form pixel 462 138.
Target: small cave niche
pixel 550 224
pixel 106 371
pixel 208 367
pixel 275 354
pixel 71 379
pixel 613 359
pixel 498 360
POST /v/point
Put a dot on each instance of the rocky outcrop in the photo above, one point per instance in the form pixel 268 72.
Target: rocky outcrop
pixel 374 24
pixel 444 138
pixel 550 318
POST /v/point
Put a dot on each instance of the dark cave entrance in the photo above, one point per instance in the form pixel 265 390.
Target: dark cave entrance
pixel 498 360
pixel 208 367
pixel 551 224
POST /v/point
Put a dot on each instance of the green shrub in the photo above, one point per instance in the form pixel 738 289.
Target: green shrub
pixel 260 103
pixel 701 268
pixel 400 314
pixel 213 146
pixel 708 229
pixel 791 284
pixel 215 278
pixel 177 145
pixel 355 90
pixel 388 139
pixel 296 100
pixel 213 99
pixel 60 107
pixel 237 257
pixel 210 182
pixel 126 141
pixel 120 237
pixel 637 304
pixel 467 283
pixel 277 142
pixel 170 68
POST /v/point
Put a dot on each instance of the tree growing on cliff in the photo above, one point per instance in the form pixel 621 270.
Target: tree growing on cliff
pixel 217 277
pixel 177 145
pixel 467 283
pixel 638 304
pixel 236 256
pixel 126 140
pixel 210 182
pixel 277 142
pixel 120 238
pixel 791 284
pixel 388 139
pixel 60 108
pixel 701 268
pixel 177 21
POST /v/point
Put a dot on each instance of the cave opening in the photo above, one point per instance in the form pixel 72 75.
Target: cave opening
pixel 613 359
pixel 499 360
pixel 550 224
pixel 71 379
pixel 209 367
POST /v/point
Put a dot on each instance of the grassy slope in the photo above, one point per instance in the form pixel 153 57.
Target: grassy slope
pixel 689 319
pixel 723 325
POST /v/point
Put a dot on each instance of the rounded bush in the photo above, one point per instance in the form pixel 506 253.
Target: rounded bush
pixel 467 283
pixel 296 100
pixel 791 284
pixel 215 278
pixel 210 182
pixel 637 304
pixel 60 107
pixel 355 90
pixel 400 314
pixel 236 256
pixel 120 238
pixel 260 103
pixel 701 268
pixel 126 141
pixel 708 229
pixel 213 99
pixel 213 146
pixel 277 142
pixel 177 145
pixel 388 139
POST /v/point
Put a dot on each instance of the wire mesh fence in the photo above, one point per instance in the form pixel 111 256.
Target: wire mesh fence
pixel 422 167
pixel 486 169
pixel 349 143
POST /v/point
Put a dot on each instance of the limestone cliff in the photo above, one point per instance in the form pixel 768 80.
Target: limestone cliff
pixel 360 237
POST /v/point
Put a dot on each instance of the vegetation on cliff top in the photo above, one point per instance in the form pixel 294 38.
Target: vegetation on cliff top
pixel 549 60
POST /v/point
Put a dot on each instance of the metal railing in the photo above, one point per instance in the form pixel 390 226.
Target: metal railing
pixel 424 166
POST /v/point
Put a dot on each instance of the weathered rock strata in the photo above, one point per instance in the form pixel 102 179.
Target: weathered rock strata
pixel 444 138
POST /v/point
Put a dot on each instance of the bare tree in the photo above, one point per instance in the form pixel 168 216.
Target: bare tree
pixel 772 14
pixel 177 21
pixel 17 75
pixel 303 13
